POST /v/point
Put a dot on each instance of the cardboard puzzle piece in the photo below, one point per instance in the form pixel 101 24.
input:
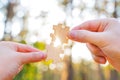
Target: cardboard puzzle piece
pixel 61 31
pixel 53 53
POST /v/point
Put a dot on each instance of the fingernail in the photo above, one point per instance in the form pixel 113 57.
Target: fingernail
pixel 43 55
pixel 102 61
pixel 72 34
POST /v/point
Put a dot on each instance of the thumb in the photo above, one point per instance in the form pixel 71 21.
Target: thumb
pixel 32 57
pixel 85 36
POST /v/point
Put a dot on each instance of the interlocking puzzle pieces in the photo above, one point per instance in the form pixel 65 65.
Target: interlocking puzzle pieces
pixel 60 31
pixel 53 53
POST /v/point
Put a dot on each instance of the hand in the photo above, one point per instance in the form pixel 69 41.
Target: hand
pixel 13 56
pixel 102 38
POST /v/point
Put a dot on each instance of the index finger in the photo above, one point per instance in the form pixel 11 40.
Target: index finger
pixel 19 47
pixel 25 48
pixel 94 25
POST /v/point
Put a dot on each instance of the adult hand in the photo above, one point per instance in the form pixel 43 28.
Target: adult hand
pixel 102 38
pixel 13 56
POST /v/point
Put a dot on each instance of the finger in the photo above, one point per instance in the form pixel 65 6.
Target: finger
pixel 96 38
pixel 95 25
pixel 32 57
pixel 19 47
pixel 98 55
pixel 99 59
pixel 95 50
pixel 24 48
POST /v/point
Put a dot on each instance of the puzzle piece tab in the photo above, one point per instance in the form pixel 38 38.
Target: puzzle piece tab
pixel 60 31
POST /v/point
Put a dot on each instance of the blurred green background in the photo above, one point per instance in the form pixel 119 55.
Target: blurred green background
pixel 30 22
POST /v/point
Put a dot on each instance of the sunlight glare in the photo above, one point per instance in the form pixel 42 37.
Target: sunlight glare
pixel 16 28
pixel 80 51
pixel 57 42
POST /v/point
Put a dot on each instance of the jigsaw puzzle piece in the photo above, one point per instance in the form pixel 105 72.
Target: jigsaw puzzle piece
pixel 53 53
pixel 61 31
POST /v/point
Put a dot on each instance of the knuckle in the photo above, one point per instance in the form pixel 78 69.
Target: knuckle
pixel 94 51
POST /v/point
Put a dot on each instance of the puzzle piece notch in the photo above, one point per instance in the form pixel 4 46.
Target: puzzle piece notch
pixel 54 53
pixel 53 38
pixel 61 31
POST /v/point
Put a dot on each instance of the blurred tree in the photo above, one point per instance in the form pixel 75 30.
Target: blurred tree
pixel 113 75
pixel 67 72
pixel 24 30
pixel 9 16
pixel 100 72
pixel 115 9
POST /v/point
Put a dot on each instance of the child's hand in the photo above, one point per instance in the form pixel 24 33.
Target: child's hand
pixel 13 56
pixel 102 38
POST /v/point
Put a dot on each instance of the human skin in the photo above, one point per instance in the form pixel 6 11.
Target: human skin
pixel 14 55
pixel 102 38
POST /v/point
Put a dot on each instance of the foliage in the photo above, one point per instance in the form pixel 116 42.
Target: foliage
pixel 39 45
pixel 29 72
